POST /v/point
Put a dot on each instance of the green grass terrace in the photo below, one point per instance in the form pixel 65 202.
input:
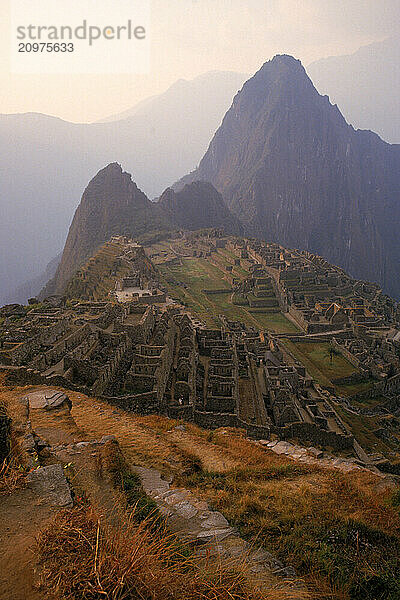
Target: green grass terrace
pixel 189 282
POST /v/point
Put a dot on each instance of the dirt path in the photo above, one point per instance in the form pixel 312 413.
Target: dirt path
pixel 23 514
pixel 74 439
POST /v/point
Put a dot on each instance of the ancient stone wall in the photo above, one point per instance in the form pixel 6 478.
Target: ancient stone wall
pixel 255 431
pixel 139 332
pixel 56 353
pixel 185 412
pixel 298 316
pixel 81 351
pixel 28 376
pixel 213 420
pixel 108 370
pixel 348 355
pixel 388 386
pixel 142 404
pixel 108 316
pixel 167 356
pixel 29 348
pixel 311 433
pixel 353 379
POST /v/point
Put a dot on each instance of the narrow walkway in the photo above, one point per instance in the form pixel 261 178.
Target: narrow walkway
pixel 210 533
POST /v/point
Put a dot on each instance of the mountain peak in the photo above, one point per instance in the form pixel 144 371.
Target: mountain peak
pixel 281 83
pixel 198 206
pixel 113 166
pixel 113 185
pixel 112 169
pixel 112 204
pixel 294 172
pixel 280 64
pixel 285 59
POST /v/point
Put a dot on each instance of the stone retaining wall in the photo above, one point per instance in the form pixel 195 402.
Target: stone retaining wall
pixel 109 369
pixel 352 379
pixel 212 420
pixel 142 404
pixel 304 432
pixel 348 355
pixel 56 353
pixel 28 376
pixel 298 317
pixel 181 412
pixel 388 386
pixel 26 350
pixel 309 432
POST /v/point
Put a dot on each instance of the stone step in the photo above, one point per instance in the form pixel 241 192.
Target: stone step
pixel 209 531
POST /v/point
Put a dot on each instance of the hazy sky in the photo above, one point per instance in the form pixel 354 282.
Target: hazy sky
pixel 190 37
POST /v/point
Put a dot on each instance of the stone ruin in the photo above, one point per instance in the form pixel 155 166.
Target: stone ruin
pixel 151 357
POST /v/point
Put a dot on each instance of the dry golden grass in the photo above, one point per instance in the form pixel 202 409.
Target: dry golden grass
pixel 11 477
pixel 335 528
pixel 82 559
pixel 341 531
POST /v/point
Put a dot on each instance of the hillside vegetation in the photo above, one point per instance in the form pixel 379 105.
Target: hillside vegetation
pixel 341 531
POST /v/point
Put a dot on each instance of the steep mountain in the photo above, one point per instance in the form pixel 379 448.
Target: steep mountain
pixel 111 204
pixel 46 162
pixel 198 205
pixel 291 168
pixel 365 85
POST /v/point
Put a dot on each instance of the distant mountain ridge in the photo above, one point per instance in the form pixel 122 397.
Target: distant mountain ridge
pixel 287 164
pixel 46 162
pixel 294 172
pixel 365 85
pixel 189 97
pixel 32 287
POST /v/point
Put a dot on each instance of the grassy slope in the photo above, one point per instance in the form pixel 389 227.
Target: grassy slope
pixel 100 273
pixel 316 359
pixel 340 531
pixel 198 274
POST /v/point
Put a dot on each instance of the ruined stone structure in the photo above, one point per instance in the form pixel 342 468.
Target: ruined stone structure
pixel 153 356
pixel 319 296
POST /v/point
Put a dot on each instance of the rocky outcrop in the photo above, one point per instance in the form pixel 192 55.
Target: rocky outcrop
pixel 294 172
pixel 51 485
pixel 111 204
pixel 47 400
pixel 198 206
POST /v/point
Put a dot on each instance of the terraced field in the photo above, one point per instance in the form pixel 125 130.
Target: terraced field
pixel 188 281
pixel 318 362
pixel 97 276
